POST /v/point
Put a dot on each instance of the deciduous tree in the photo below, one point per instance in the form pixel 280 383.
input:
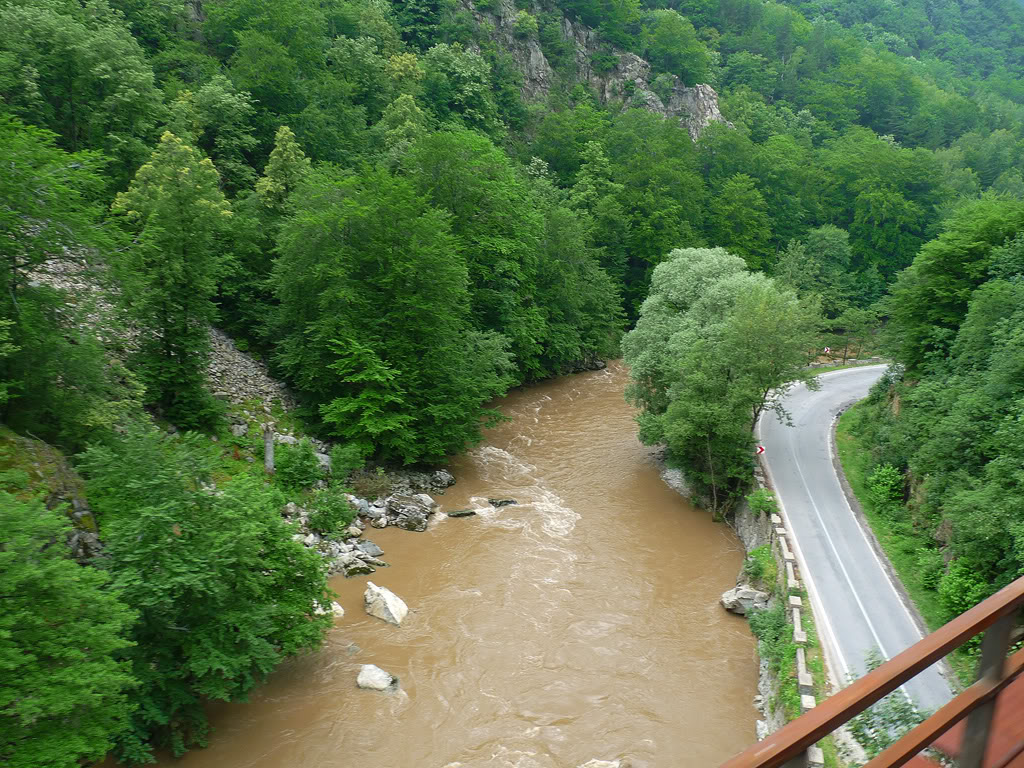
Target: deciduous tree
pixel 364 261
pixel 62 688
pixel 713 349
pixel 223 593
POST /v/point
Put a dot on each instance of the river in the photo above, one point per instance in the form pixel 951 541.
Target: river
pixel 581 623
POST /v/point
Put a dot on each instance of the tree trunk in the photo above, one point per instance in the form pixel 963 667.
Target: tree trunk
pixel 268 448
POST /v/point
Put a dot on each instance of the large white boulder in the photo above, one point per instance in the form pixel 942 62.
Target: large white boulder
pixel 374 678
pixel 744 598
pixel 384 604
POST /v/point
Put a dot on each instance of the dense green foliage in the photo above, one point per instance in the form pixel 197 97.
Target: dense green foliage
pixel 843 159
pixel 715 346
pixel 775 645
pixel 330 511
pixel 296 466
pixel 947 422
pixel 366 260
pixel 760 568
pixel 221 590
pixel 62 690
pixel 357 191
pixel 169 274
pixel 49 219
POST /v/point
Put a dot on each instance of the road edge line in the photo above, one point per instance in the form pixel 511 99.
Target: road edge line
pixel 864 526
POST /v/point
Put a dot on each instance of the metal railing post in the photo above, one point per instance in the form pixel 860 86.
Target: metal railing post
pixel 993 659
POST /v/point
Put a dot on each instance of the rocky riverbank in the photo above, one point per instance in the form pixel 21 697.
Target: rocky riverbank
pixel 406 506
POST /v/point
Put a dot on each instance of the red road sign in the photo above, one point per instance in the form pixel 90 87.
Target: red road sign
pixel 760 450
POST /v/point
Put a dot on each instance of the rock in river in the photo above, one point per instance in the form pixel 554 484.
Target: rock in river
pixel 384 604
pixel 367 547
pixel 410 512
pixel 744 598
pixel 462 513
pixel 442 479
pixel 501 502
pixel 351 565
pixel 374 678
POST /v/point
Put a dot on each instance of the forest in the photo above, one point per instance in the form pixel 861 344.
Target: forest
pixel 945 424
pixel 360 193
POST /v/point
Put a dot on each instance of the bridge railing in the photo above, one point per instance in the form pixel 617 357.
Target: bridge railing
pixel 977 703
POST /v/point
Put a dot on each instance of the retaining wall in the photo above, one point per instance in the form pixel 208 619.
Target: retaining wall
pixel 755 530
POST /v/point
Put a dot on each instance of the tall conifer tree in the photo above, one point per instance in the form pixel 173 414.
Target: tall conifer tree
pixel 170 273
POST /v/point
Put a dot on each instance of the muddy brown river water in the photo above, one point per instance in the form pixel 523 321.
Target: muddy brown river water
pixel 581 623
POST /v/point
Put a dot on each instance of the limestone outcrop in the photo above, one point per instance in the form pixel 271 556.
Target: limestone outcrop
pixel 628 81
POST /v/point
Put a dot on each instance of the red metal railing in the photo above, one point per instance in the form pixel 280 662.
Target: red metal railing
pixel 977 703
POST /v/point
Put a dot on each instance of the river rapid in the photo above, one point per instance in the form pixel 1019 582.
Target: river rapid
pixel 581 623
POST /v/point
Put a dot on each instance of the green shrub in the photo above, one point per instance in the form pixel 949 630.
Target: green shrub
pixel 330 512
pixel 558 51
pixel 931 565
pixel 760 567
pixel 14 480
pixel 776 646
pixel 296 466
pixel 346 459
pixel 773 631
pixel 662 85
pixel 525 25
pixel 885 489
pixel 604 62
pixel 961 588
pixel 370 485
pixel 762 500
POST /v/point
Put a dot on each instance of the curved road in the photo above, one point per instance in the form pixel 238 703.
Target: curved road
pixel 855 603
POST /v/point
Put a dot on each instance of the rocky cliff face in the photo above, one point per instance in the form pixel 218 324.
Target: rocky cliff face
pixel 628 82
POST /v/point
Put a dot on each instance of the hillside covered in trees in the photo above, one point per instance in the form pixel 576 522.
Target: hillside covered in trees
pixel 384 202
pixel 945 426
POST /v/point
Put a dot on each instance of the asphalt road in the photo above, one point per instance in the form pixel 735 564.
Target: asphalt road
pixel 856 605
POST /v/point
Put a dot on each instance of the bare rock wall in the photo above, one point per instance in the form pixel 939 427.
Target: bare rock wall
pixel 628 82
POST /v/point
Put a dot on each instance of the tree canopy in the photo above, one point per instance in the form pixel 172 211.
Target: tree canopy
pixel 221 590
pixel 64 690
pixel 406 208
pixel 714 347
